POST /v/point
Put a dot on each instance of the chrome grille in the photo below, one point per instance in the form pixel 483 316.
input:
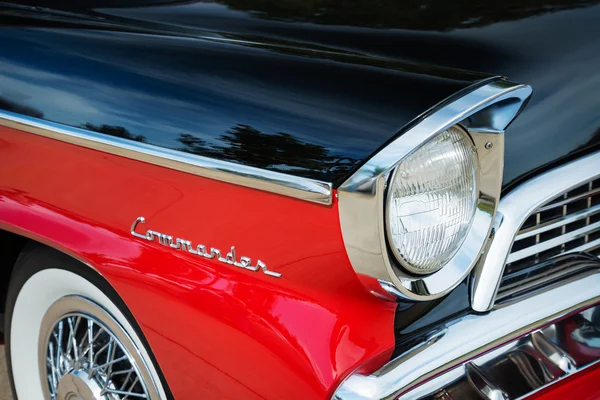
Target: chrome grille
pixel 569 223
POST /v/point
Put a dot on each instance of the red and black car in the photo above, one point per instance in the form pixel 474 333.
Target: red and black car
pixel 323 199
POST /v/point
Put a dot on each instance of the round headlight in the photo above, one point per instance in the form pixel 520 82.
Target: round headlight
pixel 432 201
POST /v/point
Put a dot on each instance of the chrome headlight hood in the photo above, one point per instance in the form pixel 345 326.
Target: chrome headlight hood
pixel 484 112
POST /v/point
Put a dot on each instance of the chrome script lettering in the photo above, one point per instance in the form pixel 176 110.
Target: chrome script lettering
pixel 201 250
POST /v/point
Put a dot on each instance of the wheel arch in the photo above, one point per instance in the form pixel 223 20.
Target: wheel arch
pixel 18 245
pixel 12 243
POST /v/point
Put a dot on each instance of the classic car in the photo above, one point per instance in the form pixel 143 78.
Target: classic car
pixel 294 199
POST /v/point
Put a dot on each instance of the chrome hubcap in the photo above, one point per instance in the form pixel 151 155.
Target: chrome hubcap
pixel 88 356
pixel 78 386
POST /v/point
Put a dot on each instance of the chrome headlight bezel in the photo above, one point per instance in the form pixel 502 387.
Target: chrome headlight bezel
pixel 484 113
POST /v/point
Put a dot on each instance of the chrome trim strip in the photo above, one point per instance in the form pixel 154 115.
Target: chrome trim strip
pixel 255 178
pixel 548 244
pixel 532 282
pixel 484 112
pixel 516 207
pixel 585 247
pixel 467 337
pixel 585 195
pixel 537 229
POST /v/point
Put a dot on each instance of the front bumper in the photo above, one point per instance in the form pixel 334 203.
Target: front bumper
pixel 466 349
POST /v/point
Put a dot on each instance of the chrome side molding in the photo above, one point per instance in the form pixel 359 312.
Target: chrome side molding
pixel 515 208
pixel 445 351
pixel 225 171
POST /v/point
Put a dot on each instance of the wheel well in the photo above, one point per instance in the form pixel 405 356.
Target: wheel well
pixel 11 245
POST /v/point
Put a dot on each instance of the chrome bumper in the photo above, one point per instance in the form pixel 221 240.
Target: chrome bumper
pixel 457 349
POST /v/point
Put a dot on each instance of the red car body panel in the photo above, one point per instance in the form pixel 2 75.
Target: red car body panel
pixel 218 331
pixel 582 386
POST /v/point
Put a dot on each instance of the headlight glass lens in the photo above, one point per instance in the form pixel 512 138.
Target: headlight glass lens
pixel 433 198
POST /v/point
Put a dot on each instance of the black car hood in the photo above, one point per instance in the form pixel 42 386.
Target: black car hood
pixel 311 88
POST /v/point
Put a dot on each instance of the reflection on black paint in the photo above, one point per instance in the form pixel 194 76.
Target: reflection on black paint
pixel 595 139
pixel 435 15
pixel 249 146
pixel 193 144
pixel 13 106
pixel 322 72
pixel 158 87
pixel 439 15
pixel 117 131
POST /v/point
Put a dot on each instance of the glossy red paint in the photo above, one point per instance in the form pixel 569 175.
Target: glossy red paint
pixel 581 386
pixel 218 332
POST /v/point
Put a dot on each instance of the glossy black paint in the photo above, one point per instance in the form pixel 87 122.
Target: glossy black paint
pixel 416 320
pixel 306 88
pixel 308 112
pixel 552 45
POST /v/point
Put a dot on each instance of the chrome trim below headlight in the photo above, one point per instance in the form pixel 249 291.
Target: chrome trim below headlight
pixel 484 112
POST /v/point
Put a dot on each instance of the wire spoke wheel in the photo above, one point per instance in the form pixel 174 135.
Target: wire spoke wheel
pixel 86 355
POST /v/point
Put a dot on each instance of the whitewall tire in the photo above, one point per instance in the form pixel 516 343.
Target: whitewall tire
pixel 68 340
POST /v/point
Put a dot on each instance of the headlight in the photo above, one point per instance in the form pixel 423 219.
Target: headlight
pixel 420 214
pixel 432 201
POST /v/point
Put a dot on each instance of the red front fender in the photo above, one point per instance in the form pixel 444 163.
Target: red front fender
pixel 217 331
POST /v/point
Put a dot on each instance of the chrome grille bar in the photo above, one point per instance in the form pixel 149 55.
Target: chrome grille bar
pixel 543 275
pixel 557 241
pixel 569 200
pixel 540 228
pixel 594 245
